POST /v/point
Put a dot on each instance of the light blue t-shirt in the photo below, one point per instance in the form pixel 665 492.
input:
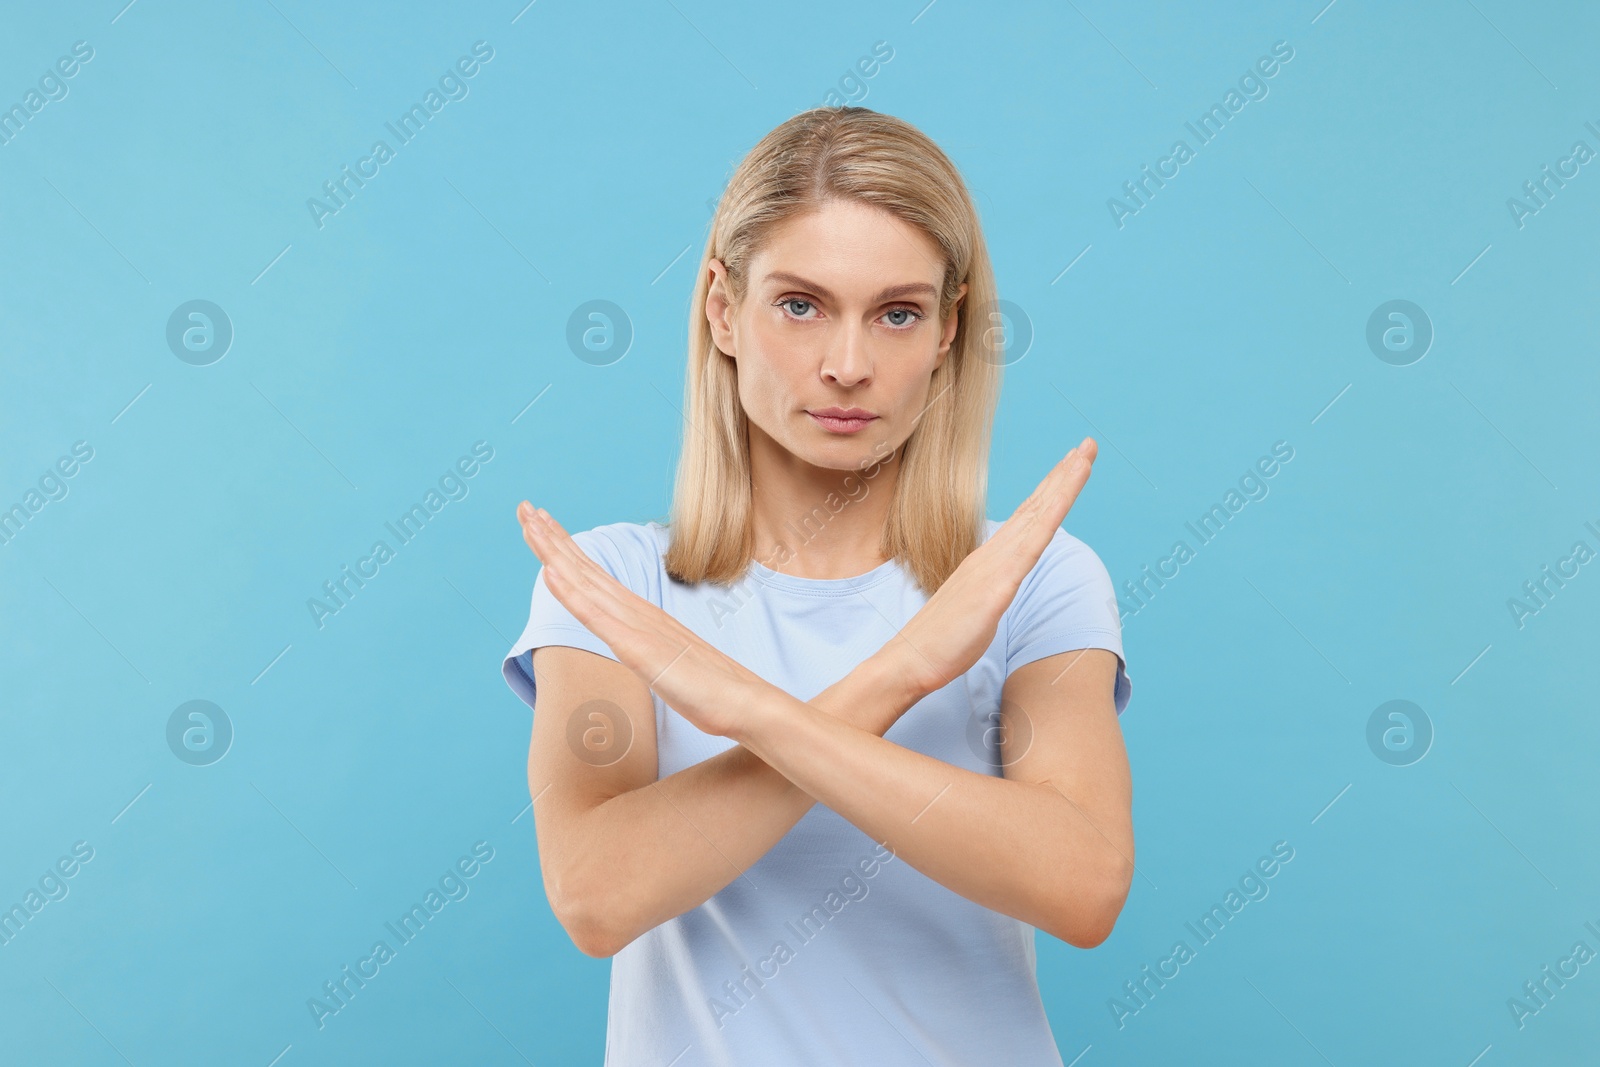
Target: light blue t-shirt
pixel 830 950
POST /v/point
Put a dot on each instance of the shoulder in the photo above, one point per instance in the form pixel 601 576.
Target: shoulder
pixel 630 551
pixel 1066 559
pixel 1067 589
pixel 1066 602
pixel 641 539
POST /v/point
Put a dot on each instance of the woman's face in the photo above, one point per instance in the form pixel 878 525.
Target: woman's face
pixel 838 336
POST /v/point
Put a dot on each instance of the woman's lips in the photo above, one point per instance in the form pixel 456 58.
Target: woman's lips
pixel 838 425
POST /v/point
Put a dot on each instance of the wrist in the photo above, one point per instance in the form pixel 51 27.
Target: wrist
pixel 886 676
pixel 756 710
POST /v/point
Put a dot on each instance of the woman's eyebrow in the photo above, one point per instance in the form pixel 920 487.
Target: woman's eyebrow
pixel 893 291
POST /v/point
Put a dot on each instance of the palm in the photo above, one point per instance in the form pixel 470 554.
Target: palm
pixel 958 623
pixel 692 676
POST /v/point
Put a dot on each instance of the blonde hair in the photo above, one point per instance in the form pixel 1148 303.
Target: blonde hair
pixel 851 153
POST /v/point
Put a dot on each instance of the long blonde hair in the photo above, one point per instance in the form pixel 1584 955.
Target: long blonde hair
pixel 937 513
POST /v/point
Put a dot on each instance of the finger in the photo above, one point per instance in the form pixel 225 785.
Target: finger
pixel 582 569
pixel 573 570
pixel 543 542
pixel 1063 493
pixel 562 549
pixel 1022 538
pixel 1070 471
pixel 1057 490
pixel 601 590
pixel 1054 476
pixel 637 631
pixel 564 564
pixel 602 594
pixel 592 601
pixel 532 532
pixel 573 561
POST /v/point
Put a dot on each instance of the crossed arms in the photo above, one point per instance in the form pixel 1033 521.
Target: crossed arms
pixel 1050 843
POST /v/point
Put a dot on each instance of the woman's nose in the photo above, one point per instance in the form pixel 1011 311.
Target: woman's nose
pixel 848 362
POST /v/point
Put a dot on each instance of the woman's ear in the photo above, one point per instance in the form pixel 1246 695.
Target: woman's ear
pixel 950 323
pixel 719 308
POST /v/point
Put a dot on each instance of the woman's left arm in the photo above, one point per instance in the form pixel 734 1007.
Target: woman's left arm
pixel 1051 843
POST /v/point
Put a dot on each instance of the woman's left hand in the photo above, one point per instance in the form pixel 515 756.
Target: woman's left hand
pixel 701 683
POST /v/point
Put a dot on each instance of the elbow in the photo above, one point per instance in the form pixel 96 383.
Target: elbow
pixel 587 919
pixel 589 933
pixel 1091 921
pixel 592 939
pixel 1090 931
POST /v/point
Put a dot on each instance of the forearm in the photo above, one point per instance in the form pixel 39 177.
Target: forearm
pixel 656 852
pixel 1019 848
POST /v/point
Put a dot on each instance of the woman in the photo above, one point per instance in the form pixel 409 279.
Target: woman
pixel 813 761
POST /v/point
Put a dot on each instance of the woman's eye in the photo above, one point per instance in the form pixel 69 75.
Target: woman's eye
pixel 800 308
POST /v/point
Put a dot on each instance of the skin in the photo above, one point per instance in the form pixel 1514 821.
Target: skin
pixel 1050 842
pixel 835 342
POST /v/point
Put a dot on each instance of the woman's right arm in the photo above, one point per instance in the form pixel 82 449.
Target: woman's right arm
pixel 622 852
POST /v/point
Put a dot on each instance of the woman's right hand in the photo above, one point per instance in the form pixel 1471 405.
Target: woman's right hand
pixel 958 623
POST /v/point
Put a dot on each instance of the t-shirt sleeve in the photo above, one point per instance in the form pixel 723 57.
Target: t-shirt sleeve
pixel 550 623
pixel 1066 602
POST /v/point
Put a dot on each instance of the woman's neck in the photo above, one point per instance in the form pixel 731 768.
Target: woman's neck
pixel 816 522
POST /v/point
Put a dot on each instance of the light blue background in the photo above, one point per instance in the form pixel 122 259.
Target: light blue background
pixel 428 313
